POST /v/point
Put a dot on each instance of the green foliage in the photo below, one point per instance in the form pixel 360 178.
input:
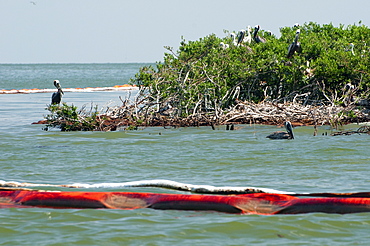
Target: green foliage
pixel 67 118
pixel 202 76
pixel 349 114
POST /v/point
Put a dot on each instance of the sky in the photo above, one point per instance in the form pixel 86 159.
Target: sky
pixel 121 31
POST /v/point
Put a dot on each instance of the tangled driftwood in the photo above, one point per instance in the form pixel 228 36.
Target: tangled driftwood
pixel 361 130
pixel 247 113
pixel 141 111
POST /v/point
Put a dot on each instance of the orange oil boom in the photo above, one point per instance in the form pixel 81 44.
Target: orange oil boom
pixel 256 203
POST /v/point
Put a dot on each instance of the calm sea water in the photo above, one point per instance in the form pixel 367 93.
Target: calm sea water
pixel 243 157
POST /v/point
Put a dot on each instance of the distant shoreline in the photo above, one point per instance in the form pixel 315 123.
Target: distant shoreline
pixel 87 89
pixel 74 63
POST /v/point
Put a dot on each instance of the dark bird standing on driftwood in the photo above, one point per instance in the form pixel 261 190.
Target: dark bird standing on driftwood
pixel 257 38
pixel 283 135
pixel 56 98
pixel 295 46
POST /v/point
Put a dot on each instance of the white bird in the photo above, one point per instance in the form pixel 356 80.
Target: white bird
pixel 248 36
pixel 351 48
pixel 233 37
pixel 224 46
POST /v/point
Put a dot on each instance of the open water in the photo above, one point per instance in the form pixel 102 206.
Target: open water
pixel 243 157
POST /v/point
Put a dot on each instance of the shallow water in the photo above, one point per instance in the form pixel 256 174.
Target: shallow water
pixel 243 157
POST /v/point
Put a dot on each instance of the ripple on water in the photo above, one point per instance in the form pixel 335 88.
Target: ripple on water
pixel 146 226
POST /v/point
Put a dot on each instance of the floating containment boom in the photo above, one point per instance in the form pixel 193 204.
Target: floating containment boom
pixel 254 203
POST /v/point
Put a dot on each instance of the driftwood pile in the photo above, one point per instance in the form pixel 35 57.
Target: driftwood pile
pixel 274 113
pixel 361 130
pixel 143 111
pixel 242 113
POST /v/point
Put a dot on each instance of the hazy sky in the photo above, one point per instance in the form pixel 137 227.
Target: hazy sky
pixel 112 31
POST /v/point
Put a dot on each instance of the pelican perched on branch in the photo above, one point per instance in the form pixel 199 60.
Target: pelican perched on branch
pixel 283 135
pixel 257 38
pixel 248 37
pixel 167 110
pixel 224 46
pixel 233 37
pixel 295 46
pixel 241 37
pixel 56 98
pixel 351 47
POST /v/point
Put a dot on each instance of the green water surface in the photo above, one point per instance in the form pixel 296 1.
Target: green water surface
pixel 243 157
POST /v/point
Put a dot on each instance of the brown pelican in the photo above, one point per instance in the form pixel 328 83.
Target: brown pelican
pixel 168 110
pixel 257 38
pixel 57 96
pixel 241 37
pixel 295 46
pixel 283 135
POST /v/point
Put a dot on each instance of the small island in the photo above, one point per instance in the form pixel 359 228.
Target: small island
pixel 310 75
